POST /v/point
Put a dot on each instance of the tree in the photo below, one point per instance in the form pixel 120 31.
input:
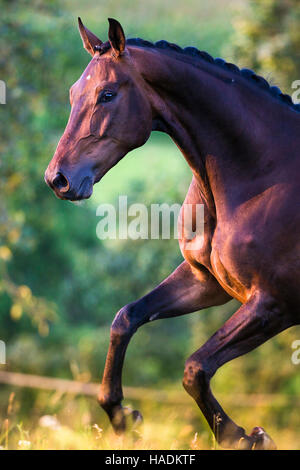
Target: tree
pixel 267 38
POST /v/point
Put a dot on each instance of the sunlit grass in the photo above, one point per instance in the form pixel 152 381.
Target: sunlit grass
pixel 65 422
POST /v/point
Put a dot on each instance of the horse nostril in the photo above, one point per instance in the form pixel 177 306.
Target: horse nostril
pixel 61 183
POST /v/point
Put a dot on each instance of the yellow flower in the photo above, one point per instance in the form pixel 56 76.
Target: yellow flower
pixel 24 292
pixel 16 311
pixel 5 253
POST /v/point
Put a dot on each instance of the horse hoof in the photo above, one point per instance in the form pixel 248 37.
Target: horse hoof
pixel 126 419
pixel 135 416
pixel 262 440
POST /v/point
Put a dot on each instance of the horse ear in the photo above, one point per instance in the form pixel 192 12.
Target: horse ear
pixel 116 37
pixel 88 38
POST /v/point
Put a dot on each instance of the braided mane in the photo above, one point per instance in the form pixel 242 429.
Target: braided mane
pixel 202 55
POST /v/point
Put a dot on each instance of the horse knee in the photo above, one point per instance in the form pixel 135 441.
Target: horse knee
pixel 124 323
pixel 196 378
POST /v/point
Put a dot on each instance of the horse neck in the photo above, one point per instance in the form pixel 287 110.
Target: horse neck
pixel 222 126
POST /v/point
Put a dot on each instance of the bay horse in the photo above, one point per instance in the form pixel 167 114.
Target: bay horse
pixel 241 139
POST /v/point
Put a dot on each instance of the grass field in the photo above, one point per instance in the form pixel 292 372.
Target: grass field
pixel 64 421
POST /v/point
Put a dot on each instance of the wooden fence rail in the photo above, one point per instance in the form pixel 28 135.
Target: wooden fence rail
pixel 131 393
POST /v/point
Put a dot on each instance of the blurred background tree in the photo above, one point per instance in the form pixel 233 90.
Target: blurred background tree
pixel 267 38
pixel 60 286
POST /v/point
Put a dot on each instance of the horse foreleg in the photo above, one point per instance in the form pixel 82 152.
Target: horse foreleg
pixel 182 292
pixel 255 322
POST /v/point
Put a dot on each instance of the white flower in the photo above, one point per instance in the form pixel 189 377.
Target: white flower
pixel 24 444
pixel 49 421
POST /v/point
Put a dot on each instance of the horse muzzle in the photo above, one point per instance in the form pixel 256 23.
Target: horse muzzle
pixel 65 188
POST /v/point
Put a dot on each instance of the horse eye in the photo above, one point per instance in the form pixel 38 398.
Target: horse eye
pixel 105 97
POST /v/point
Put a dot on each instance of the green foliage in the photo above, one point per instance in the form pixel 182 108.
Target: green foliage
pixel 267 39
